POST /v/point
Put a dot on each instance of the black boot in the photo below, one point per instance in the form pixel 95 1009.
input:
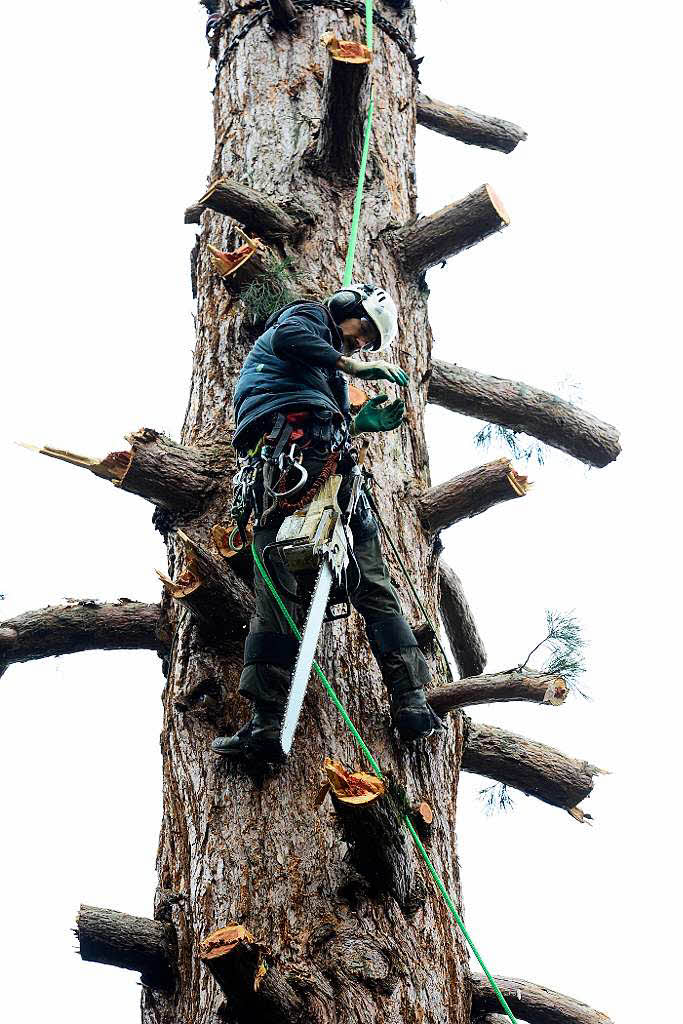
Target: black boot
pixel 259 739
pixel 411 715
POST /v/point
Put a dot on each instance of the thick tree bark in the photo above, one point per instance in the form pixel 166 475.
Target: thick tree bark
pixel 243 847
pixel 461 629
pixel 134 943
pixel 429 240
pixel 467 126
pixel 469 494
pixel 80 626
pixel 531 1003
pixel 534 768
pixel 248 206
pixel 536 687
pixel 522 408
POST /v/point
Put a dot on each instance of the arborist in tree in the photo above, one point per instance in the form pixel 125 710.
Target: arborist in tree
pixel 294 430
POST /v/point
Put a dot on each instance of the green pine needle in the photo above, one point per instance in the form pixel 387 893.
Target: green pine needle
pixel 496 799
pixel 494 433
pixel 269 291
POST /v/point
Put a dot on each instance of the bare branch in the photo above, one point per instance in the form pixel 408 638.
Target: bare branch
pixel 537 687
pixel 531 1003
pixel 522 408
pixel 79 626
pixel 531 767
pixel 346 95
pixel 461 629
pixel 429 240
pixel 256 212
pixel 467 126
pixel 469 494
pixel 134 943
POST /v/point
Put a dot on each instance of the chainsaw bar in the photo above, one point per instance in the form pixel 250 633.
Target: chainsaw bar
pixel 305 655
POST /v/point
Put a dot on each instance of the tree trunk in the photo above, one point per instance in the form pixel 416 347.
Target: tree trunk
pixel 246 849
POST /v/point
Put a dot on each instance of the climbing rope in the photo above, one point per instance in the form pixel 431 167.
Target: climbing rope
pixel 290 621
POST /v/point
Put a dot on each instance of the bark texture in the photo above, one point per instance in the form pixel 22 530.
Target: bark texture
pixel 531 1003
pixel 467 126
pixel 501 687
pixel 461 629
pixel 469 494
pixel 248 848
pixel 531 767
pixel 522 408
pixel 134 943
pixel 80 626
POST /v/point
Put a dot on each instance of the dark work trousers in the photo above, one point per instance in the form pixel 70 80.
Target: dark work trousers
pixel 270 648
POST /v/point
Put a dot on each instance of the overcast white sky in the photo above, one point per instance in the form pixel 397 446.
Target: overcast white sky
pixel 107 138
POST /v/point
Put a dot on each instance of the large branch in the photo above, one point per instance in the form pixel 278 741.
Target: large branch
pixel 461 629
pixel 254 987
pixel 259 215
pixel 535 769
pixel 134 943
pixel 171 475
pixel 467 126
pixel 522 408
pixel 531 1003
pixel 220 601
pixel 537 687
pixel 429 240
pixel 79 626
pixel 346 94
pixel 469 494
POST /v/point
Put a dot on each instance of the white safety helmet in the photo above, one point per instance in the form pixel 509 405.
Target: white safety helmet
pixel 367 300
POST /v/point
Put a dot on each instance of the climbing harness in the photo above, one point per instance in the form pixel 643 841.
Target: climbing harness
pixel 329 565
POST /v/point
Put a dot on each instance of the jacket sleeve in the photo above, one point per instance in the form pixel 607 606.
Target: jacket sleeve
pixel 304 337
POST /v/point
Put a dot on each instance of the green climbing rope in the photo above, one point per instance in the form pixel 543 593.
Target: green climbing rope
pixel 348 270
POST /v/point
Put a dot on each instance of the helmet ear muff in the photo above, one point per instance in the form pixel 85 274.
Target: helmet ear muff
pixel 344 304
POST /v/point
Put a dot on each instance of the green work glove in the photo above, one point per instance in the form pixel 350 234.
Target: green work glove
pixel 379 370
pixel 375 416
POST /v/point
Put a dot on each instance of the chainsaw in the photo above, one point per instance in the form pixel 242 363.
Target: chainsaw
pixel 318 537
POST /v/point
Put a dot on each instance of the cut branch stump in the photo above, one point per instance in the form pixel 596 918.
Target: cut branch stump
pixel 254 988
pixel 433 239
pixel 467 126
pixel 537 687
pixel 257 213
pixel 535 769
pixel 134 943
pixel 469 494
pixel 346 94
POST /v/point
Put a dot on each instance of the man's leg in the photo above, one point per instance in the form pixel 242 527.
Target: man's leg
pixel 269 654
pixel 404 669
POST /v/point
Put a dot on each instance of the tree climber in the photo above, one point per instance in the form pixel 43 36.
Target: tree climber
pixel 292 401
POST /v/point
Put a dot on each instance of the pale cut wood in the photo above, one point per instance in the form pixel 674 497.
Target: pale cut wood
pixel 430 240
pixel 467 126
pixel 523 408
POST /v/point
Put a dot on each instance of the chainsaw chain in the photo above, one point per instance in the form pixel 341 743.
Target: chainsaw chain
pixel 262 8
